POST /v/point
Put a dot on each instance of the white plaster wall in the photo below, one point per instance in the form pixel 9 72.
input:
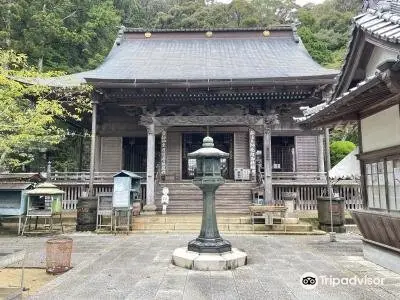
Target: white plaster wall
pixel 378 56
pixel 381 130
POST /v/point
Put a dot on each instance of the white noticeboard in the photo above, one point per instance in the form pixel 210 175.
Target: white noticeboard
pixel 121 193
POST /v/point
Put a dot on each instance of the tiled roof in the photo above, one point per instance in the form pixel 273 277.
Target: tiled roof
pixel 183 56
pixel 209 59
pixel 384 25
pixel 66 81
pixel 311 114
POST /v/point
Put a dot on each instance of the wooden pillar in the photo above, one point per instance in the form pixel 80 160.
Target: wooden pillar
pixel 328 161
pixel 321 164
pixel 150 207
pixel 93 147
pixel 252 153
pixel 363 183
pixel 268 192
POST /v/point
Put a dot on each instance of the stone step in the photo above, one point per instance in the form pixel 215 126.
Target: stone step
pixel 186 198
pixel 190 219
pixel 219 211
pixel 230 233
pixel 226 223
pixel 193 227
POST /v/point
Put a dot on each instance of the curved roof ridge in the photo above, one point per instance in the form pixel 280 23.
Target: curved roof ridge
pixel 282 27
pixel 382 22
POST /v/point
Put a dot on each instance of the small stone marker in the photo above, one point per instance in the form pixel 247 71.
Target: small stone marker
pixel 165 200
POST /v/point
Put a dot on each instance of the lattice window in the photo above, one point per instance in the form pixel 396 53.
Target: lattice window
pixel 383 184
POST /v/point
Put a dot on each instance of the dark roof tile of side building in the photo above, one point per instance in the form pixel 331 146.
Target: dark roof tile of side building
pixel 381 22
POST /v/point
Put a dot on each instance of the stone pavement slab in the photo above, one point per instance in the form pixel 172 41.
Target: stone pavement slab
pixel 139 267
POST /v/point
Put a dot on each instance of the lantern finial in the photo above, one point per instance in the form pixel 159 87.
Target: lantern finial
pixel 208 142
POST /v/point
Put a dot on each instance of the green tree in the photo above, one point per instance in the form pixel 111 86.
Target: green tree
pixel 339 149
pixel 324 29
pixel 68 35
pixel 29 113
pixel 142 13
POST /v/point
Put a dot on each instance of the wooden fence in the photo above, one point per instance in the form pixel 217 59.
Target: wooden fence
pixel 73 191
pixel 307 194
pixel 99 177
pixel 76 185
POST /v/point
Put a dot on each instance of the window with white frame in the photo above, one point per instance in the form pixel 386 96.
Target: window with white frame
pixel 393 178
pixel 382 180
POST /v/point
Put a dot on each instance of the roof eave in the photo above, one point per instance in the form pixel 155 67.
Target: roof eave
pixel 253 82
pixel 324 117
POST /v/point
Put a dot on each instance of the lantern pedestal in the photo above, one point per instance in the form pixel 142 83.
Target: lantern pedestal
pixel 209 240
pixel 209 261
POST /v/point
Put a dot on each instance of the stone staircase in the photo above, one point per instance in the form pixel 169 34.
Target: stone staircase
pixel 185 197
pixel 227 224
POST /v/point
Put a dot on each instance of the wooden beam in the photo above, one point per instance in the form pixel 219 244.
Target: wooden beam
pixel 352 64
pixel 381 153
pixel 327 162
pixel 150 207
pixel 363 178
pixel 381 105
pixel 332 120
pixel 93 145
pixel 268 192
pixel 321 164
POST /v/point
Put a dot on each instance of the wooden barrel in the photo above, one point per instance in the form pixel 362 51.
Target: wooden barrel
pixel 86 214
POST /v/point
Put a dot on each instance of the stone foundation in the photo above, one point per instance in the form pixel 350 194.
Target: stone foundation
pixel 209 261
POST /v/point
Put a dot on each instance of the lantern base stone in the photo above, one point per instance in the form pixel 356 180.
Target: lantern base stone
pixel 233 259
pixel 217 245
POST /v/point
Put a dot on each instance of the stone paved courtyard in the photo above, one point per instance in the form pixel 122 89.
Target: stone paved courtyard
pixel 138 267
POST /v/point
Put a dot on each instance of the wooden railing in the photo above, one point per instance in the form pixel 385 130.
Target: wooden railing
pixel 300 176
pixel 99 177
pixel 307 194
pixel 307 186
pixel 73 191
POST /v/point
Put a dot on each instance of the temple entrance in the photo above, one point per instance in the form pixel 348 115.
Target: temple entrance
pixel 135 153
pixel 282 153
pixel 193 141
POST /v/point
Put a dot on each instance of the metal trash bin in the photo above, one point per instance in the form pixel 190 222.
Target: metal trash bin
pixel 86 214
pixel 58 255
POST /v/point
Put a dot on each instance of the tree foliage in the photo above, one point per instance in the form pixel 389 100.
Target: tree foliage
pixel 29 113
pixel 75 35
pixel 325 29
pixel 68 35
pixel 339 149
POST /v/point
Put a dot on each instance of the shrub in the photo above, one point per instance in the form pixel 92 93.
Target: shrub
pixel 339 149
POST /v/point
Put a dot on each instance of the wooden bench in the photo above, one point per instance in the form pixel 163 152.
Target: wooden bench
pixel 267 213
